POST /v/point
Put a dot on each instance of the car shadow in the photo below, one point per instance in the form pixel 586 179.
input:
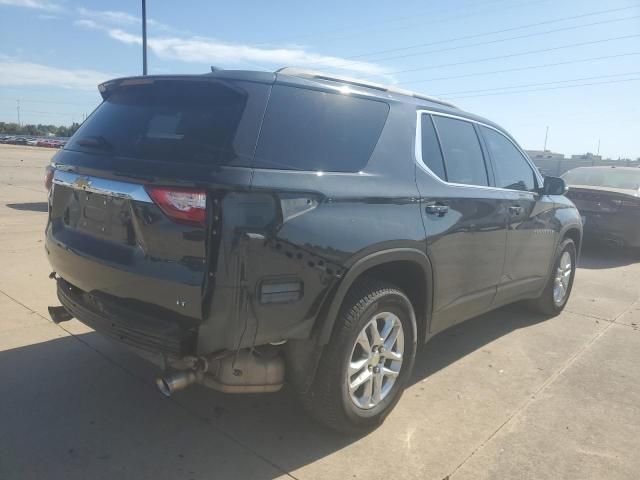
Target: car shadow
pixel 30 206
pixel 73 415
pixel 595 256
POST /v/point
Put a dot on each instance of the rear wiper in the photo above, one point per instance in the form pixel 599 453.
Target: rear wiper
pixel 97 141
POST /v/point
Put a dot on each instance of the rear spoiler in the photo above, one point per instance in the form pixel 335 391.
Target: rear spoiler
pixel 107 88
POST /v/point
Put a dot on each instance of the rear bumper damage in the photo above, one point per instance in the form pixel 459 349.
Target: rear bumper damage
pixel 151 335
pixel 171 346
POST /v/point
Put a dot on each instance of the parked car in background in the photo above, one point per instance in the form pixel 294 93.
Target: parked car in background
pixel 40 142
pixel 608 199
pixel 243 227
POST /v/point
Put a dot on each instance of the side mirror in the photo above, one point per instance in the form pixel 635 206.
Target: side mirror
pixel 554 186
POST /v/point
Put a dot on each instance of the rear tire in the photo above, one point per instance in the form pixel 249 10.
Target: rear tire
pixel 551 302
pixel 359 380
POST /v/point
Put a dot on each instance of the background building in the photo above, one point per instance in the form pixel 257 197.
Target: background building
pixel 555 164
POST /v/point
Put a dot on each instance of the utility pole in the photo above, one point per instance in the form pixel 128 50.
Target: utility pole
pixel 546 135
pixel 598 147
pixel 144 37
pixel 18 109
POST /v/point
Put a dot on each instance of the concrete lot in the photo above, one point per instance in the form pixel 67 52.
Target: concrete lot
pixel 503 396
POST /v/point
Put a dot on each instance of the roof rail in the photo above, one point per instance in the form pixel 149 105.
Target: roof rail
pixel 300 72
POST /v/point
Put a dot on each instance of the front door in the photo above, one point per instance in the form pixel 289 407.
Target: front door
pixel 531 236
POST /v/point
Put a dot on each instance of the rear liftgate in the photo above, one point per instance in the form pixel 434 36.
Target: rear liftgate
pixel 247 370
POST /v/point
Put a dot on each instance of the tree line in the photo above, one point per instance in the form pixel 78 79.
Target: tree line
pixel 39 130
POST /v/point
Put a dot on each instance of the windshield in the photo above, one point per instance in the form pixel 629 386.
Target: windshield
pixel 177 121
pixel 604 177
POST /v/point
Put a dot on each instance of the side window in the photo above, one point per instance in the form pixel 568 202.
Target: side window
pixel 463 157
pixel 512 170
pixel 313 130
pixel 431 154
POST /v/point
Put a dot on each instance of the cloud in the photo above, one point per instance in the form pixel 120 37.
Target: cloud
pixel 207 51
pixel 116 17
pixel 36 4
pixel 212 52
pixel 18 74
pixel 110 16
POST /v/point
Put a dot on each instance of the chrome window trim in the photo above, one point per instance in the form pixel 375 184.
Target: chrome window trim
pixel 102 186
pixel 420 161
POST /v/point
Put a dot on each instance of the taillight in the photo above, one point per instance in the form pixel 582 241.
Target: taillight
pixel 48 177
pixel 182 205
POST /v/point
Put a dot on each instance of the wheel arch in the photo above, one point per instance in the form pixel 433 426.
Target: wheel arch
pixel 574 233
pixel 303 356
pixel 407 268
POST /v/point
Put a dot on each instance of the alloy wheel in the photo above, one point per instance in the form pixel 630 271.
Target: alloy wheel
pixel 562 279
pixel 376 360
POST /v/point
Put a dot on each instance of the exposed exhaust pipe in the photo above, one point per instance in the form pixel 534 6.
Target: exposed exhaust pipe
pixel 246 371
pixel 171 382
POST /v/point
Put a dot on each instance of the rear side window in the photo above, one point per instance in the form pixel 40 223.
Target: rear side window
pixel 463 157
pixel 201 122
pixel 511 169
pixel 318 131
pixel 431 154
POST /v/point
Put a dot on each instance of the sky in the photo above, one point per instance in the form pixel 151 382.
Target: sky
pixel 570 65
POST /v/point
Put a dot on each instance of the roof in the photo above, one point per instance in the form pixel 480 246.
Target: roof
pixel 298 72
pixel 268 77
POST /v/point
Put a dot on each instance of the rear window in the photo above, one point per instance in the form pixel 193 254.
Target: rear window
pixel 201 122
pixel 318 131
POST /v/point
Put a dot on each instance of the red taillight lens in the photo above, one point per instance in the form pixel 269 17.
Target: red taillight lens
pixel 182 205
pixel 48 177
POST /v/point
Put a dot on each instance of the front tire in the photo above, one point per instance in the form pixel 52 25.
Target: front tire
pixel 366 365
pixel 558 288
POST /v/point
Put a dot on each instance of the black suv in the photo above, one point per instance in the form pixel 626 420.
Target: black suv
pixel 243 229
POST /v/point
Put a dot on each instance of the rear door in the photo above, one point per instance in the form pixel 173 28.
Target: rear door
pixel 531 237
pixel 134 206
pixel 464 216
pixel 316 159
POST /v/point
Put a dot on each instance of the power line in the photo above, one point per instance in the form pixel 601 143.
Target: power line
pixel 536 84
pixel 386 21
pixel 490 42
pixel 518 69
pixel 519 54
pixel 467 37
pixel 548 88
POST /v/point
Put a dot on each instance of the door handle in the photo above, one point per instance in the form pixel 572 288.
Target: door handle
pixel 436 209
pixel 515 209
